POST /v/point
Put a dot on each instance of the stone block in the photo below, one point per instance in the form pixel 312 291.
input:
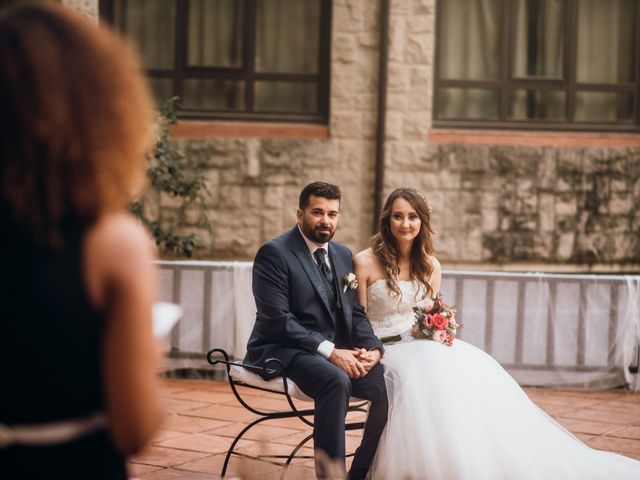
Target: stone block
pixel 417 50
pixel 232 197
pixel 348 16
pixel 193 216
pixel 398 102
pixel 400 7
pixel 566 205
pixel 570 161
pixel 346 125
pixel 619 185
pixel 620 204
pixel 546 212
pixel 369 102
pixel 420 23
pixel 229 176
pixel 420 80
pixel 415 126
pixel 489 219
pixel 252 160
pixel 393 125
pixel 423 7
pixel 368 41
pixel 564 247
pixel 398 78
pixel 527 203
pixel 545 177
pixel 397 39
pixel 345 48
pixel 625 247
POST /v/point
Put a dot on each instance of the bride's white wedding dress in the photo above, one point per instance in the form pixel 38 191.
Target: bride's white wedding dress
pixel 455 413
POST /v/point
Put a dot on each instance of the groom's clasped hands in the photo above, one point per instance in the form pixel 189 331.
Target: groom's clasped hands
pixel 356 362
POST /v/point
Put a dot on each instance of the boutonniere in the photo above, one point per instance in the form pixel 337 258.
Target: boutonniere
pixel 350 281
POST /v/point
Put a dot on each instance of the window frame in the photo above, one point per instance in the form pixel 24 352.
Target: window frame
pixel 245 72
pixel 507 83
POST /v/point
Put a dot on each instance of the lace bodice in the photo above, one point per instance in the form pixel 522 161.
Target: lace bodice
pixel 392 315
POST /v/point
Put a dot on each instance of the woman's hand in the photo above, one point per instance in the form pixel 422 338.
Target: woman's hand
pixel 416 333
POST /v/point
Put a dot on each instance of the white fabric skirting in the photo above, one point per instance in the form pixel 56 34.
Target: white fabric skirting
pixel 571 331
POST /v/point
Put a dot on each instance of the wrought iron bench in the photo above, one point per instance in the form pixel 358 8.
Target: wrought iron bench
pixel 241 375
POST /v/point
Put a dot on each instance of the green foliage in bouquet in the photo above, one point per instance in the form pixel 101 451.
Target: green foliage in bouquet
pixel 171 172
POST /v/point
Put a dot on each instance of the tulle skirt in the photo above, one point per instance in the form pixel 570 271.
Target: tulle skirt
pixel 455 413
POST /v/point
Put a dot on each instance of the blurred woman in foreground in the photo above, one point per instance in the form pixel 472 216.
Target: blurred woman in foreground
pixel 77 284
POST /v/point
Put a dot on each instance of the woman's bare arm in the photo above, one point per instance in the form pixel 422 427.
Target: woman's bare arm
pixel 363 267
pixel 122 283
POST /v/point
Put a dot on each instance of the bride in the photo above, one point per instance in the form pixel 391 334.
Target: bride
pixel 454 413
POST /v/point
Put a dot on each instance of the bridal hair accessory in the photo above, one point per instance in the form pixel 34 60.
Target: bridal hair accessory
pixel 436 320
pixel 350 281
pixel 421 195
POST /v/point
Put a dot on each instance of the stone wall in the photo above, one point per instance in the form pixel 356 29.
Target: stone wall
pixel 503 204
pixel 497 207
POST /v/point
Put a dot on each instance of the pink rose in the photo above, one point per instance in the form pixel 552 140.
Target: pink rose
pixel 439 336
pixel 449 339
pixel 439 321
pixel 427 321
pixel 425 304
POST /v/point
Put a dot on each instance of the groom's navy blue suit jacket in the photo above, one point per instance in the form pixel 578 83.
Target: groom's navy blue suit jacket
pixel 294 311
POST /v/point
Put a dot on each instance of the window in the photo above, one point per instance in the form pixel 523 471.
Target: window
pixel 233 59
pixel 564 64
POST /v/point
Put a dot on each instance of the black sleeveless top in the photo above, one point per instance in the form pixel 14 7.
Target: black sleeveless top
pixel 51 343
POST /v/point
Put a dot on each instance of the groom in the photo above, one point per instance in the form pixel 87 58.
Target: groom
pixel 309 317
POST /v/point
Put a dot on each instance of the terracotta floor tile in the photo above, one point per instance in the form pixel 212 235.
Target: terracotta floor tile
pixel 272 448
pixel 615 444
pixel 262 432
pixel 174 474
pixel 162 435
pixel 191 443
pixel 586 438
pixel 223 412
pixel 554 409
pixel 605 417
pixel 569 401
pixel 175 405
pixel 166 457
pixel 619 406
pixel 137 469
pixel 628 432
pixel 237 466
pixel 295 438
pixel 189 424
pixel 587 426
pixel 206 396
pixel 294 423
pixel 201 442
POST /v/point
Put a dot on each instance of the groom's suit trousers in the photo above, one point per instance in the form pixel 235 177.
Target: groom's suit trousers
pixel 331 389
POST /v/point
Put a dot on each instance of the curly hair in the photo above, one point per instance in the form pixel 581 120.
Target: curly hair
pixel 385 248
pixel 75 120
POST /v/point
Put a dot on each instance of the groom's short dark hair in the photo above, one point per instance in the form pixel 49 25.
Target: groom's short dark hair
pixel 318 189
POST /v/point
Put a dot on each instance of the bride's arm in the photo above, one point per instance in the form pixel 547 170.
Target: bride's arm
pixel 435 281
pixel 360 262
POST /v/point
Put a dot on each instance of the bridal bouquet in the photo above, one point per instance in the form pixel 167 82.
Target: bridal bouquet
pixel 436 320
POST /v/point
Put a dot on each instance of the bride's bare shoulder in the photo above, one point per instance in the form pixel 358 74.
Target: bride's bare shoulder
pixel 364 257
pixel 435 263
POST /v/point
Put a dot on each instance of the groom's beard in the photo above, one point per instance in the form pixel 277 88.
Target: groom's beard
pixel 319 234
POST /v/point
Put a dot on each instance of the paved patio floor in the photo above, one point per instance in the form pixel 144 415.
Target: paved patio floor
pixel 204 416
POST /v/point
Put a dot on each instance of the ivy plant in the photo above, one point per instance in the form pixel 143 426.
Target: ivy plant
pixel 171 172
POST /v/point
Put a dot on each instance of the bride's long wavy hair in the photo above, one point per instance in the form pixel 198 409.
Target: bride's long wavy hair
pixel 385 248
